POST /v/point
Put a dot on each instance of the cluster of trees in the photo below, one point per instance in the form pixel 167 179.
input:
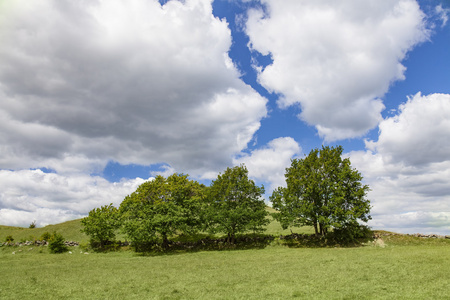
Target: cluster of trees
pixel 164 207
pixel 322 190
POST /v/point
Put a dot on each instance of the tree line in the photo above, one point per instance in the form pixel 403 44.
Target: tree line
pixel 322 190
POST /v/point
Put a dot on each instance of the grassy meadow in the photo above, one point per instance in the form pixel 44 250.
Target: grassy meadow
pixel 402 267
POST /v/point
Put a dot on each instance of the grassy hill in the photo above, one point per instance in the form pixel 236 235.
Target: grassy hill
pixel 70 230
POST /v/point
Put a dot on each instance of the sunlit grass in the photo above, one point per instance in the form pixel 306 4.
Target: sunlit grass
pixel 70 230
pixel 398 267
pixel 276 272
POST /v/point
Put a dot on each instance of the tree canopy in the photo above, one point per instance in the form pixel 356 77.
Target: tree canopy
pixel 160 208
pixel 322 190
pixel 235 204
pixel 101 224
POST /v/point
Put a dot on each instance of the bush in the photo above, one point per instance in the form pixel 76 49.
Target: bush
pixel 352 234
pixel 56 244
pixel 33 224
pixel 9 239
pixel 46 236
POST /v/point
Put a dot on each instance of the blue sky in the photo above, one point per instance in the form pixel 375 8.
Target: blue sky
pixel 96 98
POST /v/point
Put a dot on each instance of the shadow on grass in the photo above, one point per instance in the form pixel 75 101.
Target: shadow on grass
pixel 312 241
pixel 202 242
pixel 205 243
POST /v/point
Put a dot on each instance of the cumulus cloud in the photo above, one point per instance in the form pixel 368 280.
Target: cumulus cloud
pixel 408 167
pixel 335 59
pixel 83 83
pixel 268 164
pixel 419 134
pixel 29 195
pixel 134 82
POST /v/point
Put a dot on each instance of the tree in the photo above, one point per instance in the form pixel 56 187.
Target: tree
pixel 101 224
pixel 161 208
pixel 322 191
pixel 33 224
pixel 235 204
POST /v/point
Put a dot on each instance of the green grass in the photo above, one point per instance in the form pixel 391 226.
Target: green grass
pixel 276 272
pixel 405 267
pixel 274 228
pixel 70 230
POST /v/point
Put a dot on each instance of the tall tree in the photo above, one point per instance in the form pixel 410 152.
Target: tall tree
pixel 160 208
pixel 235 204
pixel 322 191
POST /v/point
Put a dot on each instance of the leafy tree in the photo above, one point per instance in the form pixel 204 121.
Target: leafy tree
pixel 235 204
pixel 101 224
pixel 161 208
pixel 322 191
pixel 57 244
pixel 33 224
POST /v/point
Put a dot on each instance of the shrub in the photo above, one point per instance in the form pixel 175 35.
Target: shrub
pixel 46 236
pixel 351 234
pixel 56 244
pixel 33 224
pixel 9 239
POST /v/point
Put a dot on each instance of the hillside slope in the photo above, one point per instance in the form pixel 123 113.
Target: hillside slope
pixel 70 230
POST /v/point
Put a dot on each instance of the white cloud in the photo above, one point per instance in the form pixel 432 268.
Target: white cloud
pixel 269 164
pixel 408 167
pixel 133 82
pixel 335 59
pixel 86 82
pixel 50 198
pixel 443 14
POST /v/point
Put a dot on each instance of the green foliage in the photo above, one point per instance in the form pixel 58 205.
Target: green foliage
pixel 101 225
pixel 161 208
pixel 56 244
pixel 322 191
pixel 352 233
pixel 235 204
pixel 9 239
pixel 33 224
pixel 46 236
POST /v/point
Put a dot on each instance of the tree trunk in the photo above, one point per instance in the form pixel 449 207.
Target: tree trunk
pixel 315 229
pixel 165 241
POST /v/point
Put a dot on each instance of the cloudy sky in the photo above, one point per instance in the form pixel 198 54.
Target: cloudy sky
pixel 98 96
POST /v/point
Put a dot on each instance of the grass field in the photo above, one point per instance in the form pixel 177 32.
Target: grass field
pixel 404 268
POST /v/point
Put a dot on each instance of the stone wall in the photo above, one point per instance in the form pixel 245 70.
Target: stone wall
pixel 38 243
